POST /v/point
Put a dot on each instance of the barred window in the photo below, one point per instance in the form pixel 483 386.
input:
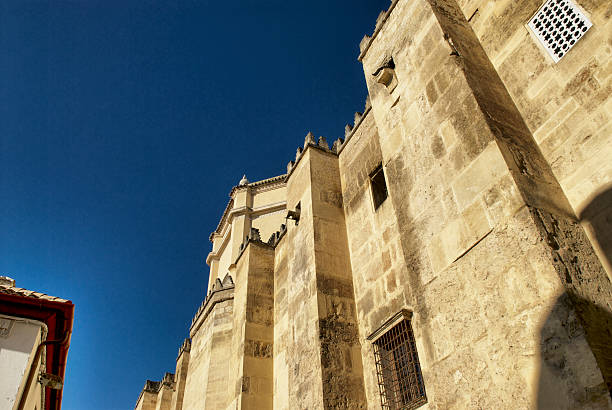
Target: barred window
pixel 400 380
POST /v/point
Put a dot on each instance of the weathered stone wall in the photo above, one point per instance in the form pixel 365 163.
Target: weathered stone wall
pixel 182 367
pixel 493 155
pixel 146 401
pixel 208 370
pixel 297 353
pixel 164 398
pixel 342 371
pixel 480 279
pixel 377 259
pixel 251 367
pixel 531 172
pixel 566 105
pixel 316 338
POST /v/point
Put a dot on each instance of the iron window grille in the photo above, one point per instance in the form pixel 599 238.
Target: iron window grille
pixel 400 380
pixel 558 25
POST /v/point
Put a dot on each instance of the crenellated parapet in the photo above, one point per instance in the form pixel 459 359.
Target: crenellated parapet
pixel 350 130
pixel 366 42
pixel 152 386
pixel 310 141
pixel 277 236
pixel 220 286
pixel 185 347
pixel 168 380
pixel 156 393
pixel 337 145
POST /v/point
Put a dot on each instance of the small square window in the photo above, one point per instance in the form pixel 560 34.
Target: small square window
pixel 400 380
pixel 379 186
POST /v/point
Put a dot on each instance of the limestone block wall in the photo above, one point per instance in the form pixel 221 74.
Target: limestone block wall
pixel 297 354
pixel 377 260
pixel 147 400
pixel 489 307
pixel 182 367
pixel 250 382
pixel 588 286
pixel 208 371
pixel 342 371
pixel 164 397
pixel 566 105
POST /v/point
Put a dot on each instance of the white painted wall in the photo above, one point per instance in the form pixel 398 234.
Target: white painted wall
pixel 19 339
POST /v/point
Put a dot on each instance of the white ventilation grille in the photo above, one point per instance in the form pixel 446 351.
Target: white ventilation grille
pixel 559 24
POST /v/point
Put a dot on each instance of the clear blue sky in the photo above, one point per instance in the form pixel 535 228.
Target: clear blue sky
pixel 123 127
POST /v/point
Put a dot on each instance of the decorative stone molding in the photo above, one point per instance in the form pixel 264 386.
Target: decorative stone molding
pixel 152 386
pixel 168 380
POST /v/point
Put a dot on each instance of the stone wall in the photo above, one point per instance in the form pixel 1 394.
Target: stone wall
pixel 494 160
pixel 297 354
pixel 147 399
pixel 342 371
pixel 182 367
pixel 251 367
pixel 566 105
pixel 377 259
pixel 208 371
pixel 460 199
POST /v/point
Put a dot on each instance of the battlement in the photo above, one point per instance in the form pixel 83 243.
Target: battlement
pixel 221 290
pixel 350 130
pixel 185 347
pixel 367 40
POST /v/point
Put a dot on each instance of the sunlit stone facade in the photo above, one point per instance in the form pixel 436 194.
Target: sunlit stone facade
pixel 470 201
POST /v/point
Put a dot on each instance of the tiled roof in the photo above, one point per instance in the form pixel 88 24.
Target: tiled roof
pixel 11 290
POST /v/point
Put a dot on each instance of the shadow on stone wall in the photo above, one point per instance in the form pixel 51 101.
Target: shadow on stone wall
pixel 565 351
pixel 598 214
